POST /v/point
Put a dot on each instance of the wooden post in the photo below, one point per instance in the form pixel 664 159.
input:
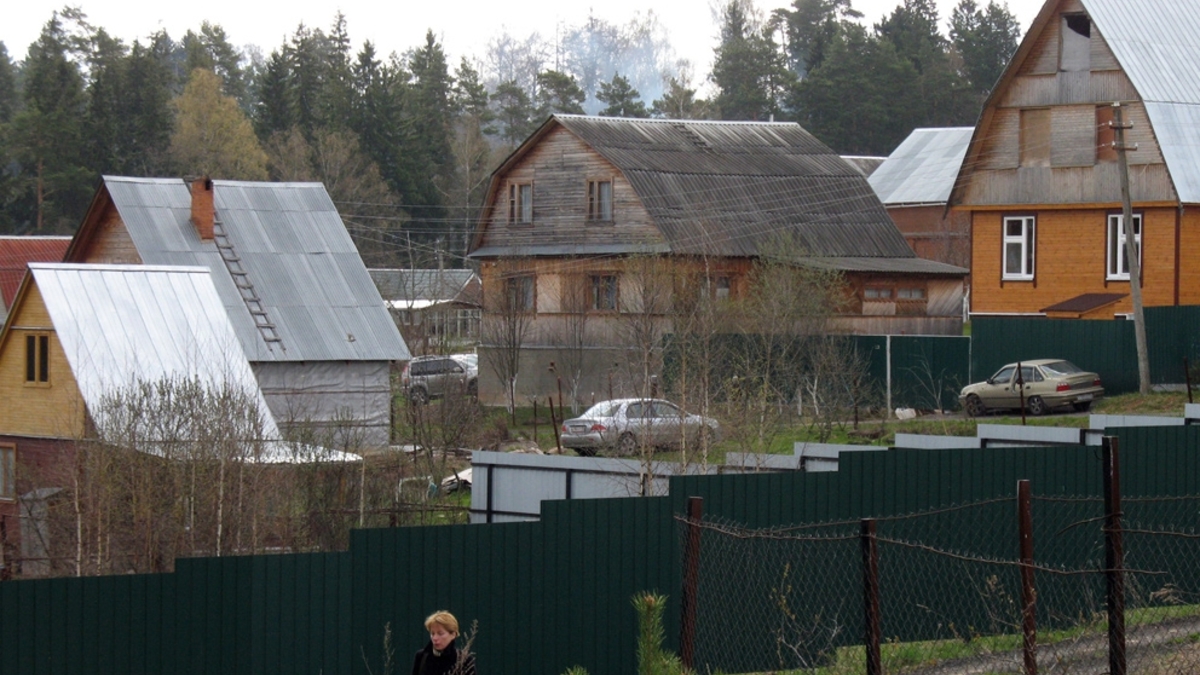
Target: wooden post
pixel 691 583
pixel 1131 248
pixel 1114 557
pixel 554 421
pixel 1028 591
pixel 874 625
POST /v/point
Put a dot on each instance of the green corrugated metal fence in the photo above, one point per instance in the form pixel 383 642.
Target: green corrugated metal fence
pixel 546 595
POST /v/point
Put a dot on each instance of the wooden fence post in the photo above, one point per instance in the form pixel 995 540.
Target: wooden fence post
pixel 691 583
pixel 1028 592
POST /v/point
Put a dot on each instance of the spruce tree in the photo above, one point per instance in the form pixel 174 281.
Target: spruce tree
pixel 986 39
pixel 621 99
pixel 748 68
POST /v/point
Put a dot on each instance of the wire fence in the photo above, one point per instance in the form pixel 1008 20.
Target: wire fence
pixel 1024 585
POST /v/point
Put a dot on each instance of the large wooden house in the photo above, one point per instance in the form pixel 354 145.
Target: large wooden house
pixel 1041 180
pixel 304 308
pixel 583 198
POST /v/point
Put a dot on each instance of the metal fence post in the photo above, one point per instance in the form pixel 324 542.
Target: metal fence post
pixel 874 626
pixel 1114 557
pixel 691 583
pixel 1028 592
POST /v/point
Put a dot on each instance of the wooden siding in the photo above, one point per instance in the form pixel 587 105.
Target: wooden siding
pixel 935 235
pixel 559 169
pixel 1189 254
pixel 111 244
pixel 1070 261
pixel 54 411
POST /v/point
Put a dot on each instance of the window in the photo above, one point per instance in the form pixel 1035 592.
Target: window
pixel 37 358
pixel 520 203
pixel 600 200
pixel 604 293
pixel 1118 262
pixel 520 294
pixel 721 288
pixel 877 293
pixel 910 294
pixel 1076 52
pixel 1018 247
pixel 8 472
pixel 1035 137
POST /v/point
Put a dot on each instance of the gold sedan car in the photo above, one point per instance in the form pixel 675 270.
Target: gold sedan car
pixel 1043 384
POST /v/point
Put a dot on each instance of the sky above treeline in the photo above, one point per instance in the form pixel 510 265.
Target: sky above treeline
pixel 463 26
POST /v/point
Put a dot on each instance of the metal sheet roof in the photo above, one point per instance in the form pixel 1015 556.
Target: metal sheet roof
pixel 420 285
pixel 297 252
pixel 887 266
pixel 922 169
pixel 732 188
pixel 125 325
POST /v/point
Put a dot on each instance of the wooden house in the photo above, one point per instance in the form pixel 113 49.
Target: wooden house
pixel 1041 180
pixel 915 182
pixel 299 297
pixel 76 335
pixel 583 198
pixel 15 255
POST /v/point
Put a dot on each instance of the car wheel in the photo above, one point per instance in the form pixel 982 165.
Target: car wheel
pixel 975 406
pixel 626 445
pixel 1037 406
pixel 418 396
pixel 1083 406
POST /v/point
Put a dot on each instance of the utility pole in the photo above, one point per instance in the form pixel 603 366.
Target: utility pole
pixel 1131 248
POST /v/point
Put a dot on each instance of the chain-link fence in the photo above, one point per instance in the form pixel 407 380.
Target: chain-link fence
pixel 1025 585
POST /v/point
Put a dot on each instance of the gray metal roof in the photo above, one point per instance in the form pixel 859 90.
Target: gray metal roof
pixel 568 250
pixel 923 168
pixel 733 188
pixel 123 325
pixel 297 252
pixel 1155 41
pixel 421 284
pixel 887 266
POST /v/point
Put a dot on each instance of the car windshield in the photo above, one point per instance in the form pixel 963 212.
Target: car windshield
pixel 1061 368
pixel 602 409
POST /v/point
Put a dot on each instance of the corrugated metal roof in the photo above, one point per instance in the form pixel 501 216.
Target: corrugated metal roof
pixel 887 266
pixel 865 164
pixel 732 188
pixel 297 252
pixel 124 325
pixel 420 285
pixel 1177 128
pixel 568 250
pixel 17 252
pixel 923 168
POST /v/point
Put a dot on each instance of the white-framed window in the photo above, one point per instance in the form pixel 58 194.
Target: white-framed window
pixel 1019 239
pixel 1118 261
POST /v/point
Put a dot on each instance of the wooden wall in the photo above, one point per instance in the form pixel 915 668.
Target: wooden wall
pixel 935 235
pixel 54 411
pixel 1070 260
pixel 1075 175
pixel 110 242
pixel 559 168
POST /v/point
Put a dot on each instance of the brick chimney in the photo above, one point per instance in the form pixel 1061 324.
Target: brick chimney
pixel 202 207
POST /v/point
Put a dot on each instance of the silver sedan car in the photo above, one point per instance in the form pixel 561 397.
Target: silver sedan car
pixel 623 425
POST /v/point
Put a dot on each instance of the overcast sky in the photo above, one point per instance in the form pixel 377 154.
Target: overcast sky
pixel 463 26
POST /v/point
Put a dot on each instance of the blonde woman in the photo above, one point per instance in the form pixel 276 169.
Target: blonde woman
pixel 440 656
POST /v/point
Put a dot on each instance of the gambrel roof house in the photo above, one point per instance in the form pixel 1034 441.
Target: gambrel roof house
pixel 1041 179
pixel 914 184
pixel 582 193
pixel 298 296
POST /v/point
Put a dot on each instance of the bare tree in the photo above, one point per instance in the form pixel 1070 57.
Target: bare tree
pixel 572 336
pixel 509 303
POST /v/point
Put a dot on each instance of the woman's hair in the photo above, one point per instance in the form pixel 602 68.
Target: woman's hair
pixel 444 619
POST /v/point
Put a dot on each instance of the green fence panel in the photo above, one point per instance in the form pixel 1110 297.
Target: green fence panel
pixel 1104 347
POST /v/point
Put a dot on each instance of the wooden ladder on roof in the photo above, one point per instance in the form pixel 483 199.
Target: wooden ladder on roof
pixel 241 279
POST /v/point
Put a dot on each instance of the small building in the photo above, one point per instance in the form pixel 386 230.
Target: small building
pixel 915 182
pixel 305 311
pixel 435 309
pixel 584 197
pixel 15 255
pixel 79 336
pixel 1041 181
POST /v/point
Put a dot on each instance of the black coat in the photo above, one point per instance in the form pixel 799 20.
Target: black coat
pixel 428 663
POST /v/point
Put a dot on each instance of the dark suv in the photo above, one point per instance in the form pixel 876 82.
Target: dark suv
pixel 427 377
